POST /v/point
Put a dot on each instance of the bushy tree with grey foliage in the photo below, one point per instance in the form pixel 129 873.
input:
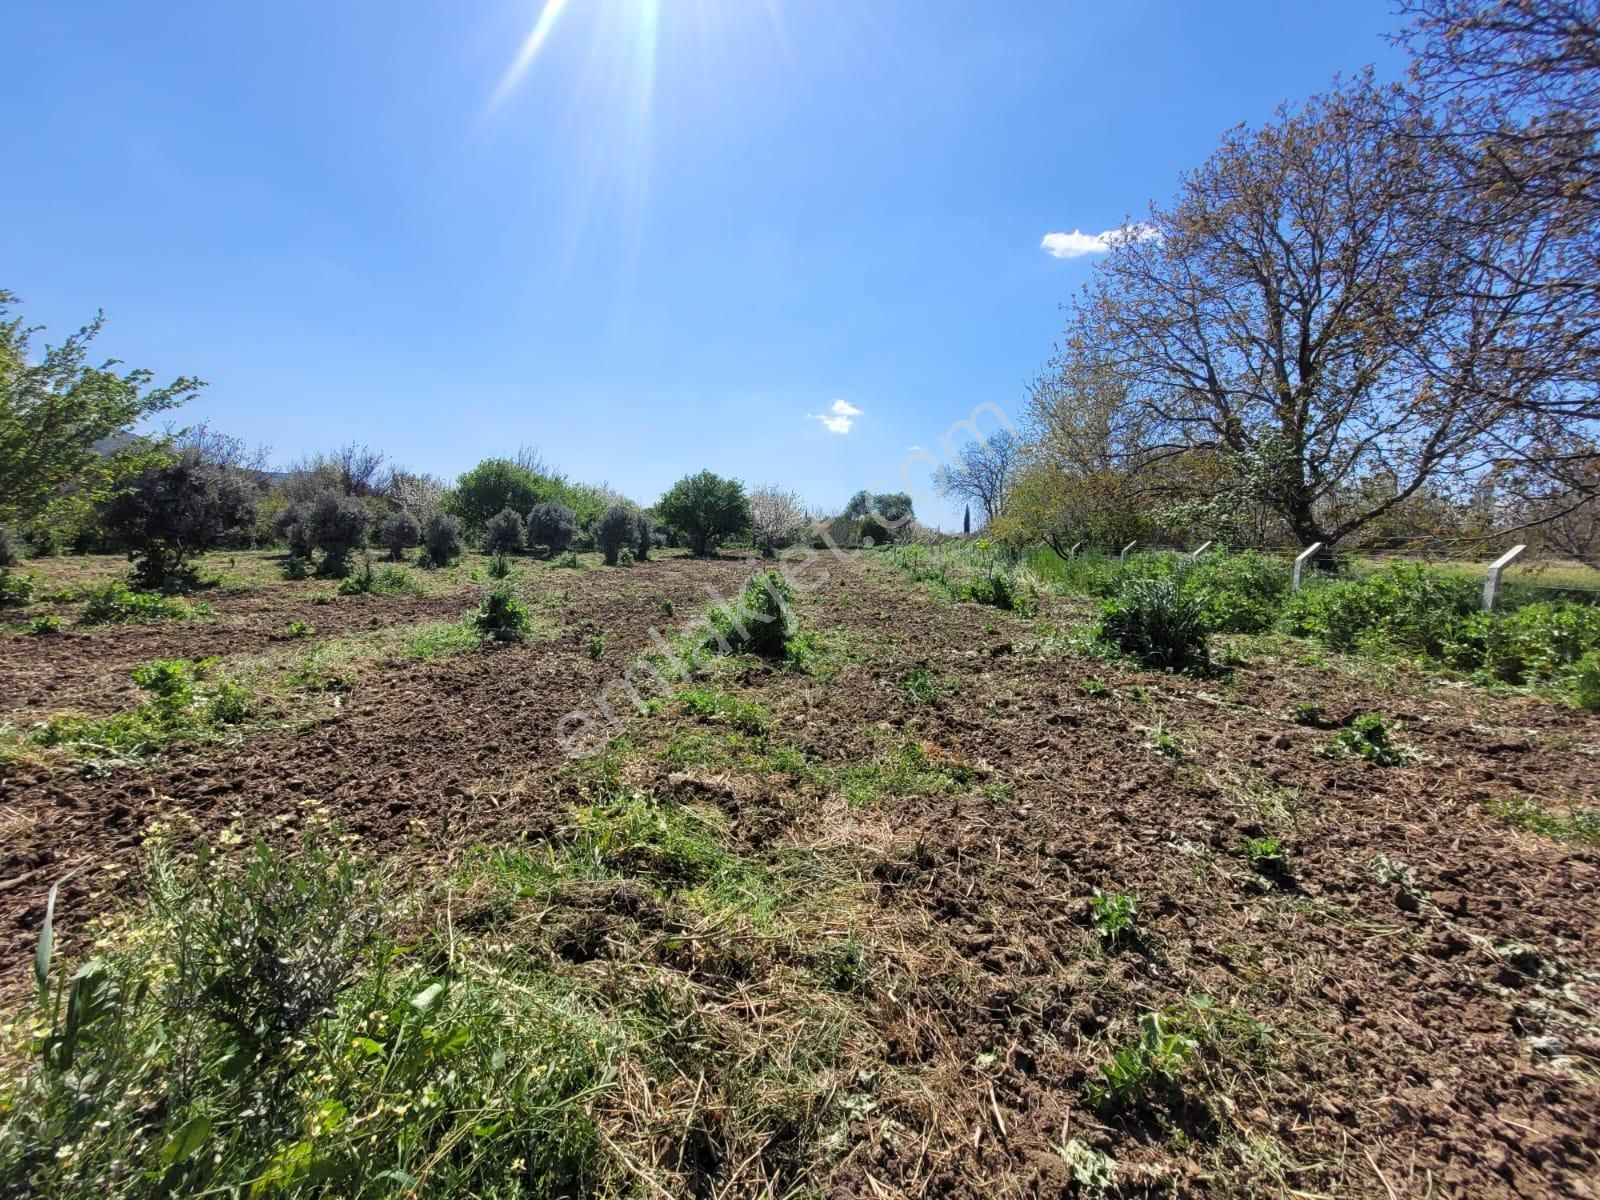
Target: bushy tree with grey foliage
pixel 399 532
pixel 503 533
pixel 552 525
pixel 616 528
pixel 441 540
pixel 168 514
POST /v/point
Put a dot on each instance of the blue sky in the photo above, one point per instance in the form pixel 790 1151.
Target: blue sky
pixel 675 239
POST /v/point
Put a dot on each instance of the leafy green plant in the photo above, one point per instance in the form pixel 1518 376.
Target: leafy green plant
pixel 1584 681
pixel 569 559
pixel 1265 854
pixel 1145 1072
pixel 1093 685
pixel 359 581
pixel 15 590
pixel 1405 607
pixel 47 624
pixel 296 567
pixel 667 608
pixel 1369 737
pixel 1307 713
pixel 503 617
pixel 1151 620
pixel 300 629
pixel 1114 916
pixel 187 701
pixel 1236 593
pixel 597 645
pixel 500 567
pixel 116 603
pixel 712 705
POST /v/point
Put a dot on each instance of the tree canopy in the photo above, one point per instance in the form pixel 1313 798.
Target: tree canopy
pixel 58 414
pixel 707 508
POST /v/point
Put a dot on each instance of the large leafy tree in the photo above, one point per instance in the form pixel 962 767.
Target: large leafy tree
pixel 707 508
pixel 60 418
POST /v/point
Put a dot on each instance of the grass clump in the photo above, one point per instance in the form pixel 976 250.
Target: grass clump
pixel 1153 622
pixel 1370 737
pixel 922 686
pixel 909 770
pixel 116 603
pixel 384 581
pixel 1579 825
pixel 746 717
pixel 259 1032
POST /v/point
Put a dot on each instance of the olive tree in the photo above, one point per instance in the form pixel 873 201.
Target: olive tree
pixel 707 508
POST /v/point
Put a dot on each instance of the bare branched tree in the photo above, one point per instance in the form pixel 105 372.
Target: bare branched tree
pixel 982 472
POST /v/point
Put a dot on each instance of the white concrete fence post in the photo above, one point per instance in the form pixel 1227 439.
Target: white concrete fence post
pixel 1204 546
pixel 1300 565
pixel 1123 557
pixel 1076 546
pixel 1491 582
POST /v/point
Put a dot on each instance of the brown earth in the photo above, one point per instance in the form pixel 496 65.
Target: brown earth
pixel 1411 1009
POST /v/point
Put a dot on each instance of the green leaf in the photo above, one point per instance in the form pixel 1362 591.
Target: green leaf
pixel 424 1000
pixel 367 1046
pixel 185 1140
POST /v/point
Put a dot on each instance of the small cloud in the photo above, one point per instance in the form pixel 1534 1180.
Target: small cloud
pixel 1077 243
pixel 916 450
pixel 840 417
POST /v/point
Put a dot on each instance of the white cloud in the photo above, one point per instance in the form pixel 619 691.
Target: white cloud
pixel 1077 243
pixel 840 417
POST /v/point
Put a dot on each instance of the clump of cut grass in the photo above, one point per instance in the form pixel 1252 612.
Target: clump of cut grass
pixel 922 686
pixel 908 770
pixel 1370 737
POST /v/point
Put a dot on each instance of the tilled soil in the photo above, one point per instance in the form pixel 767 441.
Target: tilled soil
pixel 1409 1009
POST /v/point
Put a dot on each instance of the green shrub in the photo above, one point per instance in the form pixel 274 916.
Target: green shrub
pixel 16 590
pixel 296 567
pixel 502 617
pixel 500 567
pixel 569 559
pixel 1584 681
pixel 399 532
pixel 117 604
pixel 1237 593
pixel 761 621
pixel 503 533
pixel 301 629
pixel 614 530
pixel 47 624
pixel 359 581
pixel 441 540
pixel 551 525
pixel 1152 620
pixel 1406 607
pixel 11 547
pixel 185 702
